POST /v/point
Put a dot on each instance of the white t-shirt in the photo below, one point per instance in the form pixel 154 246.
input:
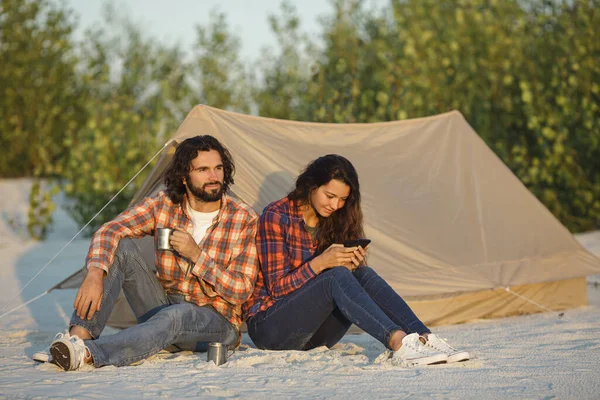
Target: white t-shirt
pixel 202 221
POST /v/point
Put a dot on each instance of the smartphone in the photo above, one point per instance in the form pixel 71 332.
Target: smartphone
pixel 357 242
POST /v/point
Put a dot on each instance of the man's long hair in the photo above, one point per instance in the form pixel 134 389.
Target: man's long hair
pixel 343 224
pixel 181 165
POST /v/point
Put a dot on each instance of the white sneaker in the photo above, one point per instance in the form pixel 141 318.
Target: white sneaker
pixel 438 344
pixel 44 355
pixel 68 353
pixel 413 352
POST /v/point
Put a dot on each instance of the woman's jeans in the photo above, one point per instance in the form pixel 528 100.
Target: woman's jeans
pixel 321 312
pixel 163 319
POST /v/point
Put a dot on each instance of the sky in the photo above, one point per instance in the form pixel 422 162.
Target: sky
pixel 174 21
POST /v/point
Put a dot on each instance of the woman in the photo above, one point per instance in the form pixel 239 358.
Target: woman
pixel 310 289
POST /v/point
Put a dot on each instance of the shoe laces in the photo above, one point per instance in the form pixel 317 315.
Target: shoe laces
pixel 439 344
pixel 418 346
pixel 76 341
pixel 58 336
pixel 79 347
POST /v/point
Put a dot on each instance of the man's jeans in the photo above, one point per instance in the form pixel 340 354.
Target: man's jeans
pixel 163 319
pixel 321 312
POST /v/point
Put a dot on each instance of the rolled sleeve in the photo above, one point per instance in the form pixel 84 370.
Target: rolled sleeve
pixel 281 277
pixel 135 222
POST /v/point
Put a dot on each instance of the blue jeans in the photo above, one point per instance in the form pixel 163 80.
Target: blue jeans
pixel 321 312
pixel 163 319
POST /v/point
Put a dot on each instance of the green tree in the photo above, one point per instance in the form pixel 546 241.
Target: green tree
pixel 137 95
pixel 560 93
pixel 525 75
pixel 219 77
pixel 138 92
pixel 285 74
pixel 39 91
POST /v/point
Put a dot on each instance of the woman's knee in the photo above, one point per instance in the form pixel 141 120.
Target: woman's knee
pixel 337 273
pixel 364 272
pixel 367 276
pixel 336 277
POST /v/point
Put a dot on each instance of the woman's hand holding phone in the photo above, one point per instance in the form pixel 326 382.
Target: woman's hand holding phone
pixel 360 254
pixel 361 246
pixel 338 256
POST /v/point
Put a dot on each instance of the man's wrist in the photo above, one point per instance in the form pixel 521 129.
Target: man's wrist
pixel 95 272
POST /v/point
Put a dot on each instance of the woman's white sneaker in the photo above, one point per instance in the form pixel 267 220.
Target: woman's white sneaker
pixel 68 353
pixel 44 355
pixel 438 344
pixel 413 353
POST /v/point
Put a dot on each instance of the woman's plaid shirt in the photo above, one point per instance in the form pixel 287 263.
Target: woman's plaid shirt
pixel 224 275
pixel 285 250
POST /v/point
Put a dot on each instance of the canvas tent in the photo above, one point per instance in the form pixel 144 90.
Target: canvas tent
pixel 451 226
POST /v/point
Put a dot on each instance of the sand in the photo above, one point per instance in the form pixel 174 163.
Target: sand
pixel 534 356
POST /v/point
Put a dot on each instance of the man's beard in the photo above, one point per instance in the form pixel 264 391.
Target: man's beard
pixel 206 196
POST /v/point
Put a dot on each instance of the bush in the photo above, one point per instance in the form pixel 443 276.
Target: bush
pixel 525 75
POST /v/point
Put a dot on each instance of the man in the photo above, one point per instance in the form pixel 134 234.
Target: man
pixel 196 295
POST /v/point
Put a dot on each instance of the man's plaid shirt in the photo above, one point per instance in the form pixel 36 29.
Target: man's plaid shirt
pixel 285 250
pixel 224 275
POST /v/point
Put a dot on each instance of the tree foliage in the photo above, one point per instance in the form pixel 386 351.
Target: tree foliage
pixel 218 75
pixel 136 95
pixel 39 90
pixel 102 115
pixel 525 75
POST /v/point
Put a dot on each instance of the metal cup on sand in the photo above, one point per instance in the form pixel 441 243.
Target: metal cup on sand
pixel 217 353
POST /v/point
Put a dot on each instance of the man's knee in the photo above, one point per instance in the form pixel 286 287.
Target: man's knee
pixel 172 317
pixel 129 255
pixel 126 247
pixel 181 312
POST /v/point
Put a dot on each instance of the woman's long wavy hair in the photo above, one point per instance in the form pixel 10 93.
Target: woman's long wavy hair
pixel 181 165
pixel 345 223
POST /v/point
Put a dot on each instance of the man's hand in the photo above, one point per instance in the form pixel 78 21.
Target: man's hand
pixel 185 245
pixel 89 296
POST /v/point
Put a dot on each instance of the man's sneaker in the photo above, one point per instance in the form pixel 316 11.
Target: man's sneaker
pixel 413 352
pixel 44 355
pixel 68 353
pixel 438 344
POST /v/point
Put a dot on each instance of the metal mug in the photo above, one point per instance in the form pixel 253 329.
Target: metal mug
pixel 163 235
pixel 217 353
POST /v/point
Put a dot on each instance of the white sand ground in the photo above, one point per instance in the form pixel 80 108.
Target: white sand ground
pixel 536 356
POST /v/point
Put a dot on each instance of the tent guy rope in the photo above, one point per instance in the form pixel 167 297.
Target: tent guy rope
pixel 73 238
pixel 559 315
